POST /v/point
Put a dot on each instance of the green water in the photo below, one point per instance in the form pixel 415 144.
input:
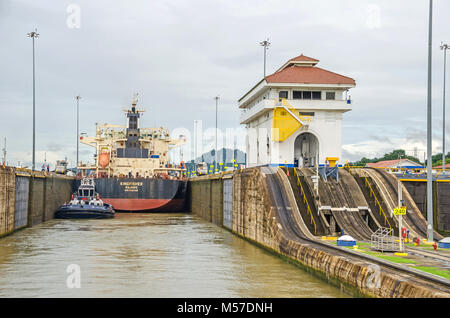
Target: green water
pixel 146 255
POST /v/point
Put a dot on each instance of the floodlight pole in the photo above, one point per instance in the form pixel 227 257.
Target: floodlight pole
pixel 78 130
pixel 400 217
pixel 429 139
pixel 215 163
pixel 444 47
pixel 265 44
pixel 34 35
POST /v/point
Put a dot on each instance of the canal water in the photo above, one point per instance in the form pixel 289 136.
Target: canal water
pixel 145 255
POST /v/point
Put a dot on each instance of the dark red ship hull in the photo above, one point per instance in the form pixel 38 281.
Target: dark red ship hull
pixel 143 195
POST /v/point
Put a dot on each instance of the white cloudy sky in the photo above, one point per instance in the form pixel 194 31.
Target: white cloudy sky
pixel 179 54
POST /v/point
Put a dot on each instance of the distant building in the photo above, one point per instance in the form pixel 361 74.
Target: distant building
pixel 398 163
pixel 294 116
pixel 447 166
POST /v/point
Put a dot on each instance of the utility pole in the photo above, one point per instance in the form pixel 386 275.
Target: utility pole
pixel 34 35
pixel 195 142
pixel 429 140
pixel 4 152
pixel 444 47
pixel 266 45
pixel 78 129
pixel 400 217
pixel 215 164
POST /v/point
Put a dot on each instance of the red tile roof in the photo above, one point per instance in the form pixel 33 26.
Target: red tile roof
pixel 302 57
pixel 447 166
pixel 383 164
pixel 308 75
pixel 387 163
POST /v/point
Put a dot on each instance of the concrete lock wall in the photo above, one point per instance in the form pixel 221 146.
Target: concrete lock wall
pixel 7 195
pixel 21 202
pixel 443 198
pixel 254 218
pixel 207 200
pixel 28 199
pixel 57 191
pixel 228 203
pixel 441 210
pixel 36 202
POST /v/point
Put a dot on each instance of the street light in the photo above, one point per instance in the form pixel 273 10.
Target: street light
pixel 78 128
pixel 215 163
pixel 444 47
pixel 265 44
pixel 429 163
pixel 34 35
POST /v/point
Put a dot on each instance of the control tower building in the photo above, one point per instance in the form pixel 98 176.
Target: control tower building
pixel 293 117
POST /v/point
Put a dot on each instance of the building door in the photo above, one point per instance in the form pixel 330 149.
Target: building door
pixel 306 150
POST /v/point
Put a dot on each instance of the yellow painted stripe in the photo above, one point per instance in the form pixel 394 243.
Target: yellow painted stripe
pixel 22 175
pixel 423 180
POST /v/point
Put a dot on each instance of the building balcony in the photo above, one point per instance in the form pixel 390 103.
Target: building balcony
pixel 248 114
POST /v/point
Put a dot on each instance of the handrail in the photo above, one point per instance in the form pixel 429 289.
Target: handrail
pixel 285 103
pixel 303 194
pixel 372 193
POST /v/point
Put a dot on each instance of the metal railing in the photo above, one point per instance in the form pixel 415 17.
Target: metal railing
pixel 303 194
pixel 285 103
pixel 363 174
pixel 383 240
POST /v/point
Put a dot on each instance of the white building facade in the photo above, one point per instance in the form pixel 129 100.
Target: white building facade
pixel 293 117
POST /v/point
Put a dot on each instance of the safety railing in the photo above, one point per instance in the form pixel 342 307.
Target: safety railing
pixel 303 194
pixel 284 102
pixel 363 174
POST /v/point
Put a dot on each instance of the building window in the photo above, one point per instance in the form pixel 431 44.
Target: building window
pixel 296 95
pixel 316 95
pixel 306 95
pixel 331 95
pixel 306 113
pixel 283 94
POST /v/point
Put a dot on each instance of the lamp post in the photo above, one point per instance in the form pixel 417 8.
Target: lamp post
pixel 215 163
pixel 429 140
pixel 34 35
pixel 265 44
pixel 78 128
pixel 444 47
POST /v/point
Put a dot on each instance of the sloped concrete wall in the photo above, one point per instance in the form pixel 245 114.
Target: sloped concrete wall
pixel 255 219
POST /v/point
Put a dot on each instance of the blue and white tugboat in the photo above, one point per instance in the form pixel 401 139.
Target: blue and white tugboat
pixel 85 204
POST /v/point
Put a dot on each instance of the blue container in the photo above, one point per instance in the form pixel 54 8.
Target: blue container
pixel 444 245
pixel 346 243
pixel 346 240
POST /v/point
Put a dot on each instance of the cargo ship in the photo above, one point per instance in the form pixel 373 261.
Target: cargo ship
pixel 132 170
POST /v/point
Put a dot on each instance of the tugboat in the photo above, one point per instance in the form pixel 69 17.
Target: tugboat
pixel 85 204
